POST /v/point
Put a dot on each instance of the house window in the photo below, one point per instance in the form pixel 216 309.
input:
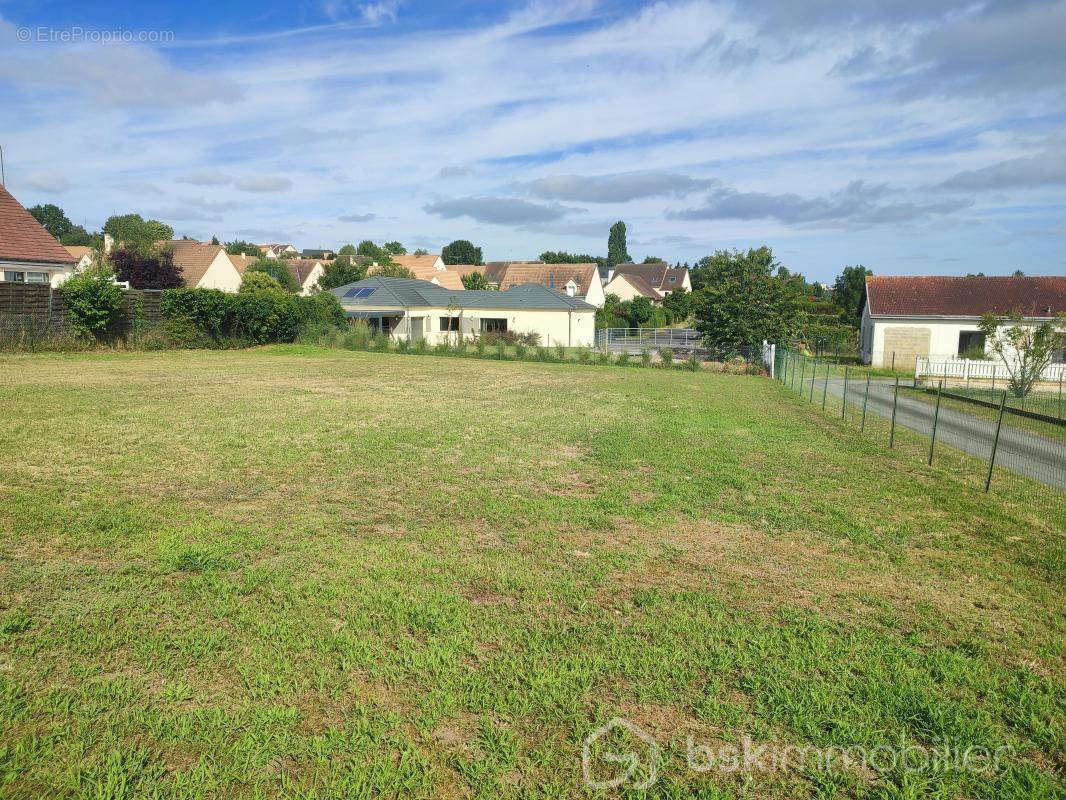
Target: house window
pixel 449 324
pixel 14 277
pixel 36 277
pixel 494 325
pixel 971 343
pixel 673 279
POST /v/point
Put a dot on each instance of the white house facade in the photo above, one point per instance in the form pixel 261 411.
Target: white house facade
pixel 906 317
pixel 416 310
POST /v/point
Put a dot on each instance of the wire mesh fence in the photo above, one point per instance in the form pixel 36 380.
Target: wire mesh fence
pixel 995 443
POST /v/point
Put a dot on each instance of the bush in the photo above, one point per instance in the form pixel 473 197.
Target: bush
pixel 380 341
pixel 480 345
pixel 94 303
pixel 584 356
pixel 520 350
pixel 693 363
pixel 645 357
pixel 277 269
pixel 265 312
pixel 501 350
pixel 666 356
pixel 560 352
pixel 403 346
pixel 153 270
pixel 603 357
pixel 321 310
pixel 623 359
pixel 529 339
pixel 211 310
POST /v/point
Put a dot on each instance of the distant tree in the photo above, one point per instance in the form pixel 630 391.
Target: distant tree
pixel 653 260
pixel 79 237
pixel 421 251
pixel 344 269
pixel 474 280
pixel 562 257
pixel 239 246
pixel 394 249
pixel 744 302
pixel 1024 348
pixel 391 270
pixel 617 253
pixel 1018 273
pixel 370 250
pixel 610 315
pixel 347 250
pixel 133 232
pixel 214 240
pixel 678 303
pixel 152 270
pixel 847 292
pixel 640 311
pixel 52 219
pixel 277 269
pixel 461 252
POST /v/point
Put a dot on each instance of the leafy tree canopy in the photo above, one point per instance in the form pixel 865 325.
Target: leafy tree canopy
pixel 421 251
pixel 153 269
pixel 347 250
pixel 277 269
pixel 52 219
pixel 79 237
pixel 239 246
pixel 562 257
pixel 744 301
pixel 394 249
pixel 1025 349
pixel 134 232
pixel 653 260
pixel 373 252
pixel 847 292
pixel 474 280
pixel 461 252
pixel 344 269
pixel 391 270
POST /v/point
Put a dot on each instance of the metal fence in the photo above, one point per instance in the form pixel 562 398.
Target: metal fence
pixel 636 340
pixel 989 440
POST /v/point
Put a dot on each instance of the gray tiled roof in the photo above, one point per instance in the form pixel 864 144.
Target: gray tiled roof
pixel 406 293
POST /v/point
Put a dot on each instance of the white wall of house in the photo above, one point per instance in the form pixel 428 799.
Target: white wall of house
pixel 685 283
pixel 221 275
pixel 311 281
pixel 40 274
pixel 570 328
pixel 595 296
pixel 623 289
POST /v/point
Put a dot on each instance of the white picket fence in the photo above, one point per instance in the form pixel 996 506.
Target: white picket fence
pixel 968 369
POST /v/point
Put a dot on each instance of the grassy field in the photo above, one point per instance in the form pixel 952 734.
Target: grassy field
pixel 322 574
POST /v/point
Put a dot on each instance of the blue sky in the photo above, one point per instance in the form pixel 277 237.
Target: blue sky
pixel 916 137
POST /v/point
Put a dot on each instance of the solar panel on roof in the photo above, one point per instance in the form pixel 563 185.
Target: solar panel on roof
pixel 365 292
pixel 352 293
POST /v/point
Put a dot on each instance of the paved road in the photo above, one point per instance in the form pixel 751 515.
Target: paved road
pixel 1019 450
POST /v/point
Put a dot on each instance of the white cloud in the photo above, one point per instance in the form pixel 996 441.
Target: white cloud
pixel 263 183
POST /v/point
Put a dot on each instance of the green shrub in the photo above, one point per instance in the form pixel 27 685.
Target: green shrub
pixel 211 310
pixel 93 301
pixel 357 337
pixel 666 356
pixel 381 341
pixel 520 350
pixel 480 346
pixel 645 357
pixel 530 339
pixel 265 312
pixel 442 349
pixel 421 346
pixel 544 354
pixel 603 357
pixel 584 356
pixel 322 309
pixel 693 362
pixel 501 350
pixel 403 346
pixel 623 359
pixel 560 352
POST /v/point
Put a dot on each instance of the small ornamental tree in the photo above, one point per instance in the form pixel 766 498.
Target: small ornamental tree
pixel 93 301
pixel 1025 348
pixel 147 270
pixel 344 269
pixel 474 280
pixel 277 269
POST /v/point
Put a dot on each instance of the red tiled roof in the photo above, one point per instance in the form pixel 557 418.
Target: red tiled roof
pixel 23 239
pixel 655 274
pixel 904 296
pixel 554 276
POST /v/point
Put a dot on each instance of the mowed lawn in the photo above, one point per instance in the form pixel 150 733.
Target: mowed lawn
pixel 294 572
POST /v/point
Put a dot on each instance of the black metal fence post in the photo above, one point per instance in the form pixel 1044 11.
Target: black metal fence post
pixel 803 374
pixel 892 429
pixel 995 443
pixel 825 387
pixel 844 405
pixel 865 400
pixel 814 378
pixel 936 417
